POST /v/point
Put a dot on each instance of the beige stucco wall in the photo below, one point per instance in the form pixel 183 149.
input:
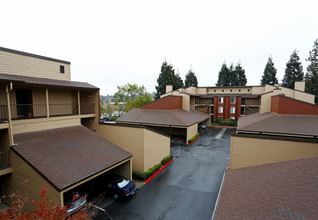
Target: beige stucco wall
pixel 305 97
pixel 16 64
pixel 147 147
pixel 31 125
pixel 300 85
pixel 258 90
pixel 35 182
pixel 266 102
pixel 200 90
pixel 130 139
pixel 191 131
pixel 156 147
pixel 255 151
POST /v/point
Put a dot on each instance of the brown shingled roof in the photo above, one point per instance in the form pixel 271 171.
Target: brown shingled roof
pixel 281 124
pixel 45 82
pixel 284 190
pixel 68 155
pixel 177 117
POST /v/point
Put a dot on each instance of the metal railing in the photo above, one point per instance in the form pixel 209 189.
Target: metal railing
pixel 3 113
pixel 5 159
pixel 87 108
pixel 25 111
pixel 21 111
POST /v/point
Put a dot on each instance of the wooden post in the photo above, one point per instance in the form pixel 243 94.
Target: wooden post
pixel 9 114
pixel 47 103
pixel 79 102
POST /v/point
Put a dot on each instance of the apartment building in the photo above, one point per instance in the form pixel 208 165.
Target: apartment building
pixel 47 125
pixel 235 101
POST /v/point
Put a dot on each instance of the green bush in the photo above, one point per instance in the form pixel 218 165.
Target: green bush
pixel 226 122
pixel 138 175
pixel 193 138
pixel 144 176
pixel 166 159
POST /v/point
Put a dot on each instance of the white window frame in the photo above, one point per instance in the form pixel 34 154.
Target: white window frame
pixel 232 117
pixel 220 117
pixel 221 100
pixel 232 110
pixel 220 109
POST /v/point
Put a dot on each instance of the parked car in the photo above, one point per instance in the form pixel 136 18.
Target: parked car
pixel 120 187
pixel 74 202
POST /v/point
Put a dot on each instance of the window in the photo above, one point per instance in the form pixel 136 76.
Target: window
pixel 222 90
pixel 220 109
pixel 220 99
pixel 62 69
pixel 232 100
pixel 230 90
pixel 232 118
pixel 239 90
pixel 212 101
pixel 214 90
pixel 220 117
pixel 232 110
pixel 207 90
pixel 243 101
pixel 248 90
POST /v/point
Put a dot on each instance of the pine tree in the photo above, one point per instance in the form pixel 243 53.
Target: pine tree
pixel 293 72
pixel 311 77
pixel 167 77
pixel 190 79
pixel 240 77
pixel 269 76
pixel 224 76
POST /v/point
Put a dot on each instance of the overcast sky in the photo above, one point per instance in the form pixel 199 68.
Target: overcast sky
pixel 112 43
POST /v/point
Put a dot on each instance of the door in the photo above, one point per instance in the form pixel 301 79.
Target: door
pixel 24 103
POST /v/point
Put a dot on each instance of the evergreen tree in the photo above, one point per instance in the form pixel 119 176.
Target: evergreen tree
pixel 190 79
pixel 240 77
pixel 293 72
pixel 269 76
pixel 224 76
pixel 167 77
pixel 311 77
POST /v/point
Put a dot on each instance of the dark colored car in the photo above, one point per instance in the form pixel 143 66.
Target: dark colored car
pixel 74 202
pixel 120 187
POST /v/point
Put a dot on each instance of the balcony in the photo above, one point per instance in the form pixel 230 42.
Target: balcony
pixel 5 160
pixel 27 111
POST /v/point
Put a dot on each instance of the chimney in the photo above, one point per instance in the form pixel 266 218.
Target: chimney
pixel 300 85
pixel 168 88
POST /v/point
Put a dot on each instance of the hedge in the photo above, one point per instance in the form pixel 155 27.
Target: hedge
pixel 226 122
pixel 193 138
pixel 145 175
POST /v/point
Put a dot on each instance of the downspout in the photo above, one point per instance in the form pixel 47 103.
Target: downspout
pixel 8 90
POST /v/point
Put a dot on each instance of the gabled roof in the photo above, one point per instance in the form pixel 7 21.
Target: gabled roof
pixel 65 156
pixel 280 124
pixel 177 117
pixel 45 82
pixel 284 190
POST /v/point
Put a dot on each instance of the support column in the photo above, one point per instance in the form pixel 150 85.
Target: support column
pixel 47 103
pixel 9 114
pixel 79 102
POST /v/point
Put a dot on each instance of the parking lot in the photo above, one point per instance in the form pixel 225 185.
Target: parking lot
pixel 186 189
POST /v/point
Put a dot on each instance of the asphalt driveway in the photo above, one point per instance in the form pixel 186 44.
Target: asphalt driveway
pixel 187 188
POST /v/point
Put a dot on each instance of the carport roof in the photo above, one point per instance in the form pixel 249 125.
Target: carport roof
pixel 280 124
pixel 284 190
pixel 65 156
pixel 178 117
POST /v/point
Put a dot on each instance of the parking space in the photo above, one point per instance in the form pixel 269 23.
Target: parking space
pixel 186 189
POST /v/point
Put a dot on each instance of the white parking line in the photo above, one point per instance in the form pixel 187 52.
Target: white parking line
pixel 220 134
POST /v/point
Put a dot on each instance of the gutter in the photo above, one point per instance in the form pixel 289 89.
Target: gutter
pixel 217 199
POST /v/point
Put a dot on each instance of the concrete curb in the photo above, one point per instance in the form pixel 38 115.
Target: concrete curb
pixel 217 199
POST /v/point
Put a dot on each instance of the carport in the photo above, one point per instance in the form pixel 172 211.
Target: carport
pixel 65 158
pixel 176 122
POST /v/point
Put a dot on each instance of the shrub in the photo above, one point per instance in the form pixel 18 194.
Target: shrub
pixel 138 175
pixel 166 159
pixel 193 138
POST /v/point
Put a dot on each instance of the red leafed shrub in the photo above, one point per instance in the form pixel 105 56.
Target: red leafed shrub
pixel 44 209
